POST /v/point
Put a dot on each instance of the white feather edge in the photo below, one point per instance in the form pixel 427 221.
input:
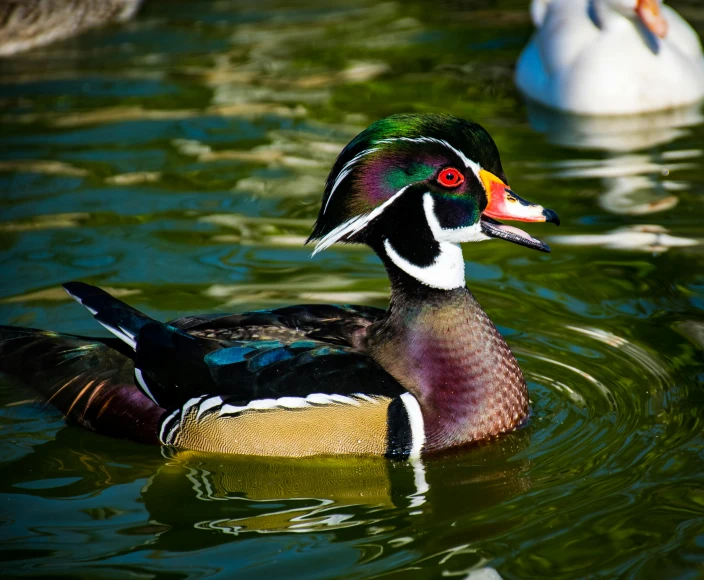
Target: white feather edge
pixel 143 384
pixel 205 403
pixel 345 171
pixel 119 332
pixel 162 437
pixel 77 299
pixel 468 162
pixel 415 418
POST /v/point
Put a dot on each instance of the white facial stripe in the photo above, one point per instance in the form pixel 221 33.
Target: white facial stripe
pixel 355 225
pixel 359 222
pixel 471 233
pixel 415 418
pixel 468 162
pixel 346 170
pixel 446 273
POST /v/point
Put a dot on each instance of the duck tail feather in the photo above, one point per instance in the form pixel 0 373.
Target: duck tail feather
pixel 119 318
pixel 87 379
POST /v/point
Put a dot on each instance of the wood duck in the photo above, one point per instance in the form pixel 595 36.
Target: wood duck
pixel 429 373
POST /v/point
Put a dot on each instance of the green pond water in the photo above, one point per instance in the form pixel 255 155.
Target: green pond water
pixel 179 161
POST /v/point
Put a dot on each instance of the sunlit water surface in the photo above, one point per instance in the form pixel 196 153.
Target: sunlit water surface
pixel 179 160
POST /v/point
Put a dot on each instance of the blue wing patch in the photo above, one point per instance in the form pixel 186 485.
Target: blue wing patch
pixel 228 356
pixel 268 357
pixel 258 355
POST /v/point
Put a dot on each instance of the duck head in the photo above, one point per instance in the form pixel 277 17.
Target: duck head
pixel 413 187
pixel 648 12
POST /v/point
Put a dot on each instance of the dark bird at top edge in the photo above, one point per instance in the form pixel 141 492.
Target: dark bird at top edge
pixel 29 24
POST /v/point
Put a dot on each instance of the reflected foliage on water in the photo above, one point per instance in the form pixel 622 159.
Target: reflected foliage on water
pixel 178 161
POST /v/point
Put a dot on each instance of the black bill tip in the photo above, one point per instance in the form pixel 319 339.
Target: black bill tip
pixel 551 216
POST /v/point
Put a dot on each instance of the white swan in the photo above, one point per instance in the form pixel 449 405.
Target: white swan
pixel 611 57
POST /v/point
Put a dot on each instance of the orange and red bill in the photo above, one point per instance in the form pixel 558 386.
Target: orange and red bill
pixel 503 203
pixel 650 15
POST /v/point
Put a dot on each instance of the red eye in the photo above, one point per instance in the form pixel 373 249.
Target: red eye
pixel 450 177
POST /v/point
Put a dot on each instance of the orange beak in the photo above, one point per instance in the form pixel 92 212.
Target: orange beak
pixel 649 13
pixel 505 204
pixel 502 203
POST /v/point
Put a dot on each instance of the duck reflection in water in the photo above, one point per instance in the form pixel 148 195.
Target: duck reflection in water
pixel 237 495
pixel 265 495
pixel 635 170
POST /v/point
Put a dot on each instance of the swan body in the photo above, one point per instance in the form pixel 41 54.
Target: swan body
pixel 610 57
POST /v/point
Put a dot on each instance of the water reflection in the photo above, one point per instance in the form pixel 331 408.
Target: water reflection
pixel 264 495
pixel 632 184
pixel 647 237
pixel 234 495
pixel 275 495
pixel 614 133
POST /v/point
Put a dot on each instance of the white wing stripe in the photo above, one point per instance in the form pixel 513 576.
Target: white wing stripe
pixel 171 424
pixel 296 402
pixel 189 404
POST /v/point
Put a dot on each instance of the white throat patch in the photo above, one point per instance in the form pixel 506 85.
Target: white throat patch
pixel 447 271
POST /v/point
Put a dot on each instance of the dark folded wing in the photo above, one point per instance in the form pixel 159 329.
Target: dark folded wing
pixel 324 322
